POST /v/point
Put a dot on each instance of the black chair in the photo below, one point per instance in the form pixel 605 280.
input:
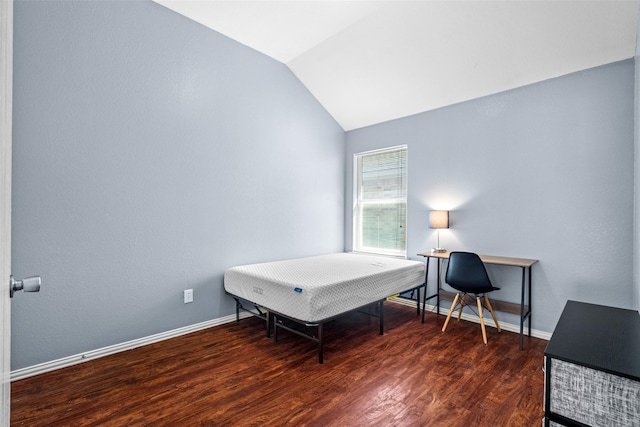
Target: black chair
pixel 466 274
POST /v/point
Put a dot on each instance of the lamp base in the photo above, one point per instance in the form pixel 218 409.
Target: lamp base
pixel 438 250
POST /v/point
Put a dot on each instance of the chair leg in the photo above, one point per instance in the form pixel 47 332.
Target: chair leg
pixel 461 305
pixel 486 300
pixel 484 332
pixel 453 307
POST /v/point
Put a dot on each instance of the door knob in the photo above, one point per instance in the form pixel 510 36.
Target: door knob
pixel 29 284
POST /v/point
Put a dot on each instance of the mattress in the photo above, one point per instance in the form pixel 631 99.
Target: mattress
pixel 317 288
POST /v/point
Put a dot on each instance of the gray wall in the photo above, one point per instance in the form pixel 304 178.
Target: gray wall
pixel 636 246
pixel 545 171
pixel 150 154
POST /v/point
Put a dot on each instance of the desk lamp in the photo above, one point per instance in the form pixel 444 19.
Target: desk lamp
pixel 438 220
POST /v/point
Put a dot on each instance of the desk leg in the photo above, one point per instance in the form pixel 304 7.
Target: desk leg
pixel 425 298
pixel 528 314
pixel 530 310
pixel 424 295
pixel 522 311
pixel 438 290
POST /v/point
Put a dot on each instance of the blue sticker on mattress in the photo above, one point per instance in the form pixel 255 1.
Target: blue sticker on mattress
pixel 297 289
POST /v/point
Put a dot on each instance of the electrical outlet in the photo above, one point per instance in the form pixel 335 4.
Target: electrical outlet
pixel 188 295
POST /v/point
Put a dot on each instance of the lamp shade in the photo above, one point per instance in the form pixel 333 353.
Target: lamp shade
pixel 438 219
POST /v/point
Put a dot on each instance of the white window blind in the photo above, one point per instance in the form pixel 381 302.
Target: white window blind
pixel 380 213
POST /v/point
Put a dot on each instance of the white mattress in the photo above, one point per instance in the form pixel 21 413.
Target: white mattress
pixel 317 288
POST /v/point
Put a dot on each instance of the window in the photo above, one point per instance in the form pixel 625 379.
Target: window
pixel 380 211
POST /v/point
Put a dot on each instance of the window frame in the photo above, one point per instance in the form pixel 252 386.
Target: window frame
pixel 358 204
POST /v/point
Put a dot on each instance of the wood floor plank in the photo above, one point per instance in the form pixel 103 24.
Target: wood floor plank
pixel 232 375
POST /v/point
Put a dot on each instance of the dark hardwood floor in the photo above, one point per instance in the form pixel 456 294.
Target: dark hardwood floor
pixel 232 375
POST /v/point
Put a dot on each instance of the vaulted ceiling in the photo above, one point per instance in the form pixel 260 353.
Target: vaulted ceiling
pixel 371 61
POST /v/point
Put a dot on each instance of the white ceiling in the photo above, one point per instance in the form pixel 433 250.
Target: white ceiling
pixel 372 61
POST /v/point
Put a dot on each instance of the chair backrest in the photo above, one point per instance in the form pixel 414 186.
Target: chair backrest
pixel 466 273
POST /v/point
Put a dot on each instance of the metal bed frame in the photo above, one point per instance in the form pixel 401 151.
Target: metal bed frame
pixel 281 321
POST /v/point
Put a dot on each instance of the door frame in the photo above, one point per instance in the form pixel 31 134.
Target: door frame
pixel 6 108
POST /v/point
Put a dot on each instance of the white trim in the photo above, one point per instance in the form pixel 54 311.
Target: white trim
pixel 65 362
pixel 6 141
pixel 377 254
pixel 472 318
pixel 381 150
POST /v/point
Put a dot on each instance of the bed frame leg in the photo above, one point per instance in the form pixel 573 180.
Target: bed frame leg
pixel 268 314
pixel 381 309
pixel 275 328
pixel 320 344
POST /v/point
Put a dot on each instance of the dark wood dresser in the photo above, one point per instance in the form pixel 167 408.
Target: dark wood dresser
pixel 592 368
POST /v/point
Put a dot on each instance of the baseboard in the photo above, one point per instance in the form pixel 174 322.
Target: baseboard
pixel 41 368
pixel 65 362
pixel 472 318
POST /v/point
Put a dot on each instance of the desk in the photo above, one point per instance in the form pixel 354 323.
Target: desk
pixel 523 263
